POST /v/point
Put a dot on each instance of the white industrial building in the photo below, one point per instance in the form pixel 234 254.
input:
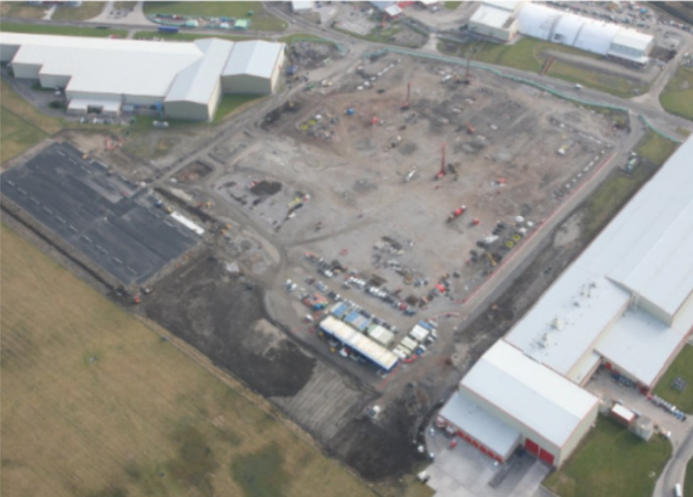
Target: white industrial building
pixel 185 79
pixel 501 21
pixel 496 19
pixel 591 35
pixel 626 304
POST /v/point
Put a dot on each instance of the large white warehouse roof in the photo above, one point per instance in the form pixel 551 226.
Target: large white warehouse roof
pixel 537 397
pixel 255 58
pixel 642 259
pixel 491 16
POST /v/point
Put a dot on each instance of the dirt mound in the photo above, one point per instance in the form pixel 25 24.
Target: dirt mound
pixel 222 318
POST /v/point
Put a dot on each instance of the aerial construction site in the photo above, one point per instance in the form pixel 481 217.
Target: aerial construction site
pixel 338 245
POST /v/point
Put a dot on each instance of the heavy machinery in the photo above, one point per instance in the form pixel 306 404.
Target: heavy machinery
pixel 457 213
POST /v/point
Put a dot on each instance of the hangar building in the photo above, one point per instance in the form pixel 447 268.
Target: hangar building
pixel 184 79
pixel 501 21
pixel 625 304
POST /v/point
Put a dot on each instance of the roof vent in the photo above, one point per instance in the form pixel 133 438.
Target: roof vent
pixel 557 323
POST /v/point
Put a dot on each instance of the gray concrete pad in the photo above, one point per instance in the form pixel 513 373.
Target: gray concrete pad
pixel 106 217
pixel 463 471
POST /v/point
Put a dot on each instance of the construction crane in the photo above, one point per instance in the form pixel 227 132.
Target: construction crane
pixel 405 104
pixel 441 173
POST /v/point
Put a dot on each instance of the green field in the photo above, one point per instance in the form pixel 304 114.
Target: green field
pixel 451 5
pixel 96 403
pixel 684 132
pixel 21 9
pixel 655 148
pixel 60 30
pixel 610 462
pixel 677 97
pixel 260 20
pixel 87 10
pixel 688 485
pixel 188 36
pixel 529 54
pixel 681 367
pixel 21 126
pixel 608 199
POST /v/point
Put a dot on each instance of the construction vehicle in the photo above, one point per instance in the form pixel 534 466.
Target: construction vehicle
pixel 441 173
pixel 457 213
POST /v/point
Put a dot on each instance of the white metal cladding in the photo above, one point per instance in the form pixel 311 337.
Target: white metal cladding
pixel 255 58
pixel 198 82
pixel 359 342
pixel 491 16
pixel 471 418
pixel 567 29
pixel 537 21
pixel 596 36
pixel 534 395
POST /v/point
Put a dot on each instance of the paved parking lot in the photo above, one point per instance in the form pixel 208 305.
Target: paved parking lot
pixel 104 216
pixel 602 385
pixel 463 471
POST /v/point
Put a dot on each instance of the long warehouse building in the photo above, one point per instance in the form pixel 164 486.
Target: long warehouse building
pixel 626 304
pixel 186 80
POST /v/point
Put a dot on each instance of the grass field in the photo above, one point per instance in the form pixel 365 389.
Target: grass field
pixel 681 367
pixel 688 485
pixel 87 10
pixel 149 35
pixel 655 148
pixel 609 462
pixel 260 20
pixel 21 126
pixel 21 9
pixel 233 103
pixel 530 54
pixel 684 132
pixel 677 97
pixel 60 30
pixel 614 193
pixel 95 403
pixel 451 5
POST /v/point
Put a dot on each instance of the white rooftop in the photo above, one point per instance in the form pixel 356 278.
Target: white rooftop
pixel 645 249
pixel 478 423
pixel 639 344
pixel 491 16
pixel 256 58
pixel 507 5
pixel 197 82
pixel 534 395
pixel 632 39
pixel 109 66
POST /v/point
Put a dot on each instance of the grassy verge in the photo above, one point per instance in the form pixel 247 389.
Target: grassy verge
pixel 655 148
pixel 260 20
pixel 95 403
pixel 688 485
pixel 618 188
pixel 21 9
pixel 683 132
pixel 611 461
pixel 48 29
pixel 451 5
pixel 230 104
pixel 16 135
pixel 87 10
pixel 681 367
pixel 677 97
pixel 149 35
pixel 529 54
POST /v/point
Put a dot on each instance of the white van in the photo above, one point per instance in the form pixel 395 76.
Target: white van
pixel 678 491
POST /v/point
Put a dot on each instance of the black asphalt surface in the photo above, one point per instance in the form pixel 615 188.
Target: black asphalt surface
pixel 102 215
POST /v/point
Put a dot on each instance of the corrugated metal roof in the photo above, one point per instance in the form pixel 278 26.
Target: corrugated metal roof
pixel 632 39
pixel 255 58
pixel 196 83
pixel 474 420
pixel 359 342
pixel 507 5
pixel 646 250
pixel 533 394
